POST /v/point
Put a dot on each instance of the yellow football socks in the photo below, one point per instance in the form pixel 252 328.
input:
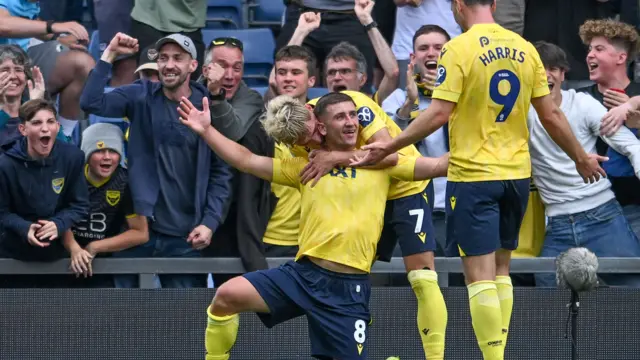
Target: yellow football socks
pixel 432 312
pixel 220 335
pixel 486 318
pixel 505 294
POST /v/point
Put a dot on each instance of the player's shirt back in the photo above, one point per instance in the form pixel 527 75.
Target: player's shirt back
pixel 491 74
pixel 341 217
pixel 110 205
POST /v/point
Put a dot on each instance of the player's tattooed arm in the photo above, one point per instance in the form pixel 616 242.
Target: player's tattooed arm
pixel 230 151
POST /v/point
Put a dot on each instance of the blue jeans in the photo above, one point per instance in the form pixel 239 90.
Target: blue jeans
pixel 603 230
pixel 632 213
pixel 161 245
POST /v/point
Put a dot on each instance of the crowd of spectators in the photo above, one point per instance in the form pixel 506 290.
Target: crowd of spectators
pixel 155 189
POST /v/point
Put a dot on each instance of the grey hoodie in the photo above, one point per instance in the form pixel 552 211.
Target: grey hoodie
pixel 235 116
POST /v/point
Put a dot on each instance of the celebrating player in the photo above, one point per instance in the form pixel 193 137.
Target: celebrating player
pixel 407 214
pixel 328 282
pixel 111 206
pixel 487 79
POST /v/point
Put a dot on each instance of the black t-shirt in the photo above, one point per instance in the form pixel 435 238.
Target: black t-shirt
pixel 111 203
pixel 627 188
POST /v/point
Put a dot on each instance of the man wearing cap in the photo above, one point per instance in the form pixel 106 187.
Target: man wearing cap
pixel 235 110
pixel 148 69
pixel 176 181
pixel 110 210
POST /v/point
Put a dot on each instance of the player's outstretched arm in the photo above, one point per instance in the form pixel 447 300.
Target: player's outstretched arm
pixel 626 113
pixel 430 168
pixel 557 125
pixel 429 120
pixel 231 152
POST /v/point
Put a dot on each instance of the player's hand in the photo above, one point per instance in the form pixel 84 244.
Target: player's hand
pixel 214 74
pixel 589 168
pixel 308 22
pixel 429 79
pixel 123 44
pixel 200 237
pixel 73 42
pixel 36 86
pixel 81 263
pixel 196 120
pixel 363 10
pixel 320 163
pixel 72 28
pixel 31 236
pixel 375 152
pixel 48 231
pixel 614 118
pixel 412 87
pixel 613 98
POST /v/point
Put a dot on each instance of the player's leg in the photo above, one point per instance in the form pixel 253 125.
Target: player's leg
pixel 233 297
pixel 473 220
pixel 414 229
pixel 260 292
pixel 339 318
pixel 513 206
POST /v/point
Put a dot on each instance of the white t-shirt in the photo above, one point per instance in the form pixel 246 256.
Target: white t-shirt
pixel 409 19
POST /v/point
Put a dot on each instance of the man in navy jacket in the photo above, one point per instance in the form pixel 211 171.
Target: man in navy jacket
pixel 43 191
pixel 175 179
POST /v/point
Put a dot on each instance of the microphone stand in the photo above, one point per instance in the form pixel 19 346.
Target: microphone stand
pixel 573 306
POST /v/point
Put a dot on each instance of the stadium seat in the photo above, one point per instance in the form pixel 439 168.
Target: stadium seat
pixel 259 46
pixel 317 92
pixel 94 46
pixel 225 14
pixel 261 89
pixel 266 12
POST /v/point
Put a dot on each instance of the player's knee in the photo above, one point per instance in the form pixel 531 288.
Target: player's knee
pixel 421 261
pixel 225 301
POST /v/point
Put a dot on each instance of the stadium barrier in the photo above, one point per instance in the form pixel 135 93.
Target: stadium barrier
pixel 145 324
pixel 148 267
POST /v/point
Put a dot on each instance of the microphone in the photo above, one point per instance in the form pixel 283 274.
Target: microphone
pixel 576 269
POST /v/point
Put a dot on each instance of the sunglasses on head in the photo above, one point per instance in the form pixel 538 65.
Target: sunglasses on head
pixel 227 41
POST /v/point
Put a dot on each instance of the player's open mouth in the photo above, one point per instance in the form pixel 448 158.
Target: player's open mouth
pixel 431 64
pixel 339 88
pixel 349 132
pixel 45 141
pixel 551 85
pixel 593 66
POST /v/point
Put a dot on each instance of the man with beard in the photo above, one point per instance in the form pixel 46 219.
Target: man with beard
pixel 612 46
pixel 43 193
pixel 176 180
pixel 111 224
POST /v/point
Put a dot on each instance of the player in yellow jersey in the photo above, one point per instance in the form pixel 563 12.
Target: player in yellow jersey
pixel 407 219
pixel 487 79
pixel 341 219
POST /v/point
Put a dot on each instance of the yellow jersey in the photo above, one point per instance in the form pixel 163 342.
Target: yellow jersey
pixel 284 223
pixel 372 119
pixel 341 217
pixel 491 74
pixel 532 230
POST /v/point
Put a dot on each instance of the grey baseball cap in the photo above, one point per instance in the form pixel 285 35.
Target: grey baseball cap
pixel 183 41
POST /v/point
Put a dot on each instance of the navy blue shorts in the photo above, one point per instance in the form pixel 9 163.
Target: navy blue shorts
pixel 484 216
pixel 336 306
pixel 407 221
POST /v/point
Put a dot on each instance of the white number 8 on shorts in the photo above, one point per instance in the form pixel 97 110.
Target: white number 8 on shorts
pixel 359 335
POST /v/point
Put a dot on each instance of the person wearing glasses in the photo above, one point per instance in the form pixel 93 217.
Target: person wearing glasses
pixel 176 181
pixel 235 110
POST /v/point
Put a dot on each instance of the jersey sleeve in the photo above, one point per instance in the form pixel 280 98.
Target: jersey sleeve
pixel 371 120
pixel 540 83
pixel 404 169
pixel 127 204
pixel 450 80
pixel 287 171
